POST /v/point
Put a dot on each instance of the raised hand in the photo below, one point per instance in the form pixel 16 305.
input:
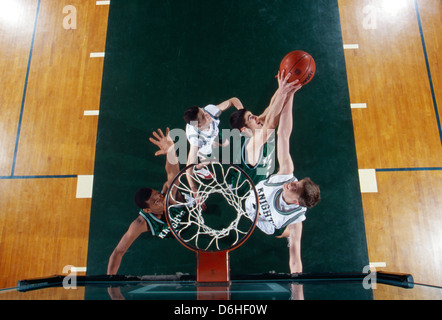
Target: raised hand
pixel 285 86
pixel 163 142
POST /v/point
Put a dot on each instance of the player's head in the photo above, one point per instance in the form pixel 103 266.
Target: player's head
pixel 196 115
pixel 243 119
pixel 149 199
pixel 303 192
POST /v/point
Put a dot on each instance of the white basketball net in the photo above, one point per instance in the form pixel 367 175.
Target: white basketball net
pixel 235 195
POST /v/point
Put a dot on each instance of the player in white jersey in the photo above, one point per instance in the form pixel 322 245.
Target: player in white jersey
pixel 203 134
pixel 202 130
pixel 275 213
pixel 284 200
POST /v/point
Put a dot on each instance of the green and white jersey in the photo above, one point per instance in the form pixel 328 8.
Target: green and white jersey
pixel 204 139
pixel 265 165
pixel 274 213
pixel 159 228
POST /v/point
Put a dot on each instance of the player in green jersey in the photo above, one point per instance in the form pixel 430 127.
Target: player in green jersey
pixel 151 203
pixel 257 157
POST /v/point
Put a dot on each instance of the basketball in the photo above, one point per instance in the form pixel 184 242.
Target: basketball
pixel 300 64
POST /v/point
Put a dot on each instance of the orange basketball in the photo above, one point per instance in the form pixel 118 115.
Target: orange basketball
pixel 300 64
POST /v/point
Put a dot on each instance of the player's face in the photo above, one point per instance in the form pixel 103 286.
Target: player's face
pixel 292 191
pixel 204 119
pixel 251 121
pixel 156 202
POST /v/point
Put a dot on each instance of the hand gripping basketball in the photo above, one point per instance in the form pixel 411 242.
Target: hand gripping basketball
pixel 300 65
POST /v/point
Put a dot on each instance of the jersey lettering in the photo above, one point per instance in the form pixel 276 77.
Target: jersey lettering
pixel 265 207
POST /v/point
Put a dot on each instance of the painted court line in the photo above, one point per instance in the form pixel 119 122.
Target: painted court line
pixel 375 265
pixel 25 90
pixel 84 186
pixel 351 46
pixel 409 169
pixel 78 269
pixel 430 80
pixel 97 54
pixel 91 112
pixel 367 180
pixel 102 3
pixel 38 177
pixel 378 264
pixel 358 105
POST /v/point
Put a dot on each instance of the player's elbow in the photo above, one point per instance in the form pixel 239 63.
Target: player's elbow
pixel 117 254
pixel 235 102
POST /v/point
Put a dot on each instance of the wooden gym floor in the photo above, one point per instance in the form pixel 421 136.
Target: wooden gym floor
pixel 51 82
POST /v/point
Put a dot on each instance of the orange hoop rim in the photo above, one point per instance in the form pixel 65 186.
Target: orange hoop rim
pixel 194 248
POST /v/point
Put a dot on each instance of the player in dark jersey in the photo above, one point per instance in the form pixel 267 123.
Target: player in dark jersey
pixel 258 141
pixel 151 203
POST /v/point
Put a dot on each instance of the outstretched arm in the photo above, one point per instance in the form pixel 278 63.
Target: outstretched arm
pixel 295 261
pixel 232 102
pixel 192 158
pixel 272 116
pixel 279 100
pixel 263 115
pixel 285 160
pixel 166 147
pixel 137 227
pixel 285 128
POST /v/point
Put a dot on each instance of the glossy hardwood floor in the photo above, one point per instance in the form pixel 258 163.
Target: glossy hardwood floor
pixel 398 133
pixel 49 79
pixel 46 141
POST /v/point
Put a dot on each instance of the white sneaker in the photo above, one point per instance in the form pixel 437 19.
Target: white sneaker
pixel 203 173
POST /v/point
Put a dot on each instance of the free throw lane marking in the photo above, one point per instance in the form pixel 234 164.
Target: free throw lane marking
pixel 358 105
pixel 367 180
pixel 91 112
pixel 351 46
pixel 78 269
pixel 97 54
pixel 378 264
pixel 84 186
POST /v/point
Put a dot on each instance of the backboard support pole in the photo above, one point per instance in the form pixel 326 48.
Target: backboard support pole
pixel 213 275
pixel 213 266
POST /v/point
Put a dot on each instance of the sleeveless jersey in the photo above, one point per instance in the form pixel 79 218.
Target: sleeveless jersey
pixel 160 228
pixel 274 213
pixel 204 139
pixel 265 165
